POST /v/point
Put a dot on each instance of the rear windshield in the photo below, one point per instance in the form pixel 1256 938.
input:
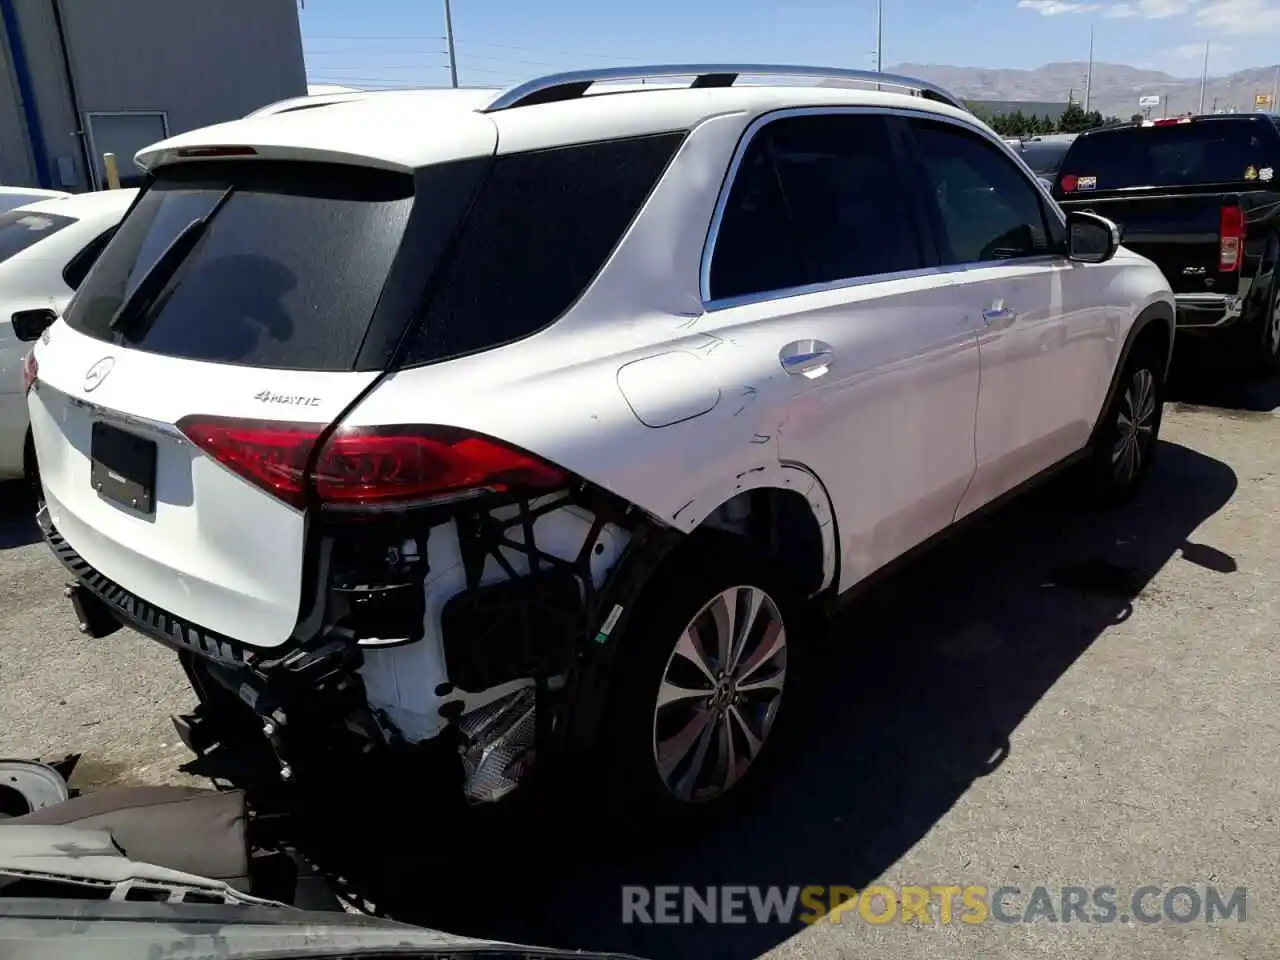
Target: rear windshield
pixel 1200 152
pixel 286 275
pixel 19 229
pixel 1044 158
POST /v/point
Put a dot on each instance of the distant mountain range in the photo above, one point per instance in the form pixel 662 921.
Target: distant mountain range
pixel 1115 89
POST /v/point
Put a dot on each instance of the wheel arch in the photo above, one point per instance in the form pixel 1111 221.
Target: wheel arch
pixel 1155 324
pixel 784 508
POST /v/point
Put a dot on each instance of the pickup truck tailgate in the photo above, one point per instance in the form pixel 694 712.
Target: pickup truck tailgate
pixel 1179 233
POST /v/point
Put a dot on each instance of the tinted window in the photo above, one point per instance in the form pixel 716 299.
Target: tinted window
pixel 1199 152
pixel 542 226
pixel 287 274
pixel 988 208
pixel 19 229
pixel 1044 158
pixel 815 199
pixel 77 267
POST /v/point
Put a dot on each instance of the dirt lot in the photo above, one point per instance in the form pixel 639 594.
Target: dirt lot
pixel 1060 697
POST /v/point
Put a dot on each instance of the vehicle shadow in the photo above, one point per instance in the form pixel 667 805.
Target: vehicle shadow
pixel 927 677
pixel 17 516
pixel 1199 382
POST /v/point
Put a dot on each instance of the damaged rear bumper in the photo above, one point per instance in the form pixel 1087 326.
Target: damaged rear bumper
pixel 496 655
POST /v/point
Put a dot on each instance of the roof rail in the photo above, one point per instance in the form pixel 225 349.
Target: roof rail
pixel 570 86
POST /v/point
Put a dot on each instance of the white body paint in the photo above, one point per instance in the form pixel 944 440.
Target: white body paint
pixel 642 388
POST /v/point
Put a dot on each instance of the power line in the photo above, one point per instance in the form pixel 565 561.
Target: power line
pixel 555 53
pixel 314 36
pixel 362 71
pixel 371 53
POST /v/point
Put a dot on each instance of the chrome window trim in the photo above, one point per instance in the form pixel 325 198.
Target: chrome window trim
pixel 745 141
pixel 786 293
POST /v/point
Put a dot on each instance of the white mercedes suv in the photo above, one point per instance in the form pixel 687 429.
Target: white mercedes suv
pixel 476 427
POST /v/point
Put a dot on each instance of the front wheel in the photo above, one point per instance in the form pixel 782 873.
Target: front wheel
pixel 1130 429
pixel 706 676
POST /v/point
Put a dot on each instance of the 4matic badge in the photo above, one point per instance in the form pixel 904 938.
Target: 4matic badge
pixel 286 399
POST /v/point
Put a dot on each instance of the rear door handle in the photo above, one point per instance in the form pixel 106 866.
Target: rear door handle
pixel 806 358
pixel 997 318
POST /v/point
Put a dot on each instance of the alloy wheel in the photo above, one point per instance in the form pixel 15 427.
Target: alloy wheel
pixel 719 695
pixel 1135 423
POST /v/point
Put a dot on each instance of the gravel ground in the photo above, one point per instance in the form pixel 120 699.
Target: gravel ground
pixel 1082 698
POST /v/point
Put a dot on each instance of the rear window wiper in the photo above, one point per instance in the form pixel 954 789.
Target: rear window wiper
pixel 153 282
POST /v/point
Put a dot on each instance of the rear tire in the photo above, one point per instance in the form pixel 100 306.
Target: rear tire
pixel 1129 431
pixel 705 686
pixel 1264 347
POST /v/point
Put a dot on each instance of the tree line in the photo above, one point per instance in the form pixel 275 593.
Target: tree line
pixel 1073 120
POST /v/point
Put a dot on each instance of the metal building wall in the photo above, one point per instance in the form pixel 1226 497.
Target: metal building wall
pixel 198 61
pixel 16 166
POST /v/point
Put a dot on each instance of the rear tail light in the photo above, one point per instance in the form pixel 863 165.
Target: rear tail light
pixel 1171 122
pixel 1231 232
pixel 369 466
pixel 1068 183
pixel 30 371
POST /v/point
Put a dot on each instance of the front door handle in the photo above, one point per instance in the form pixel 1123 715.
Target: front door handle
pixel 997 318
pixel 806 358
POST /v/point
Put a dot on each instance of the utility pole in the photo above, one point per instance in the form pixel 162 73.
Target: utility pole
pixel 1275 89
pixel 1088 77
pixel 448 35
pixel 879 35
pixel 1204 76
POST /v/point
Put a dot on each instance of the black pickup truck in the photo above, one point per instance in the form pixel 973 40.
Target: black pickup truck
pixel 1200 197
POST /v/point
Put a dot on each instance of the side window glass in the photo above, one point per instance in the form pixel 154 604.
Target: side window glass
pixel 816 199
pixel 988 209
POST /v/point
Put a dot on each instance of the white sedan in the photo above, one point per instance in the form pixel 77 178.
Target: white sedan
pixel 46 249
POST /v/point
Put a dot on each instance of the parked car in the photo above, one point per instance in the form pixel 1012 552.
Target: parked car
pixel 11 197
pixel 72 891
pixel 1043 154
pixel 542 429
pixel 1198 196
pixel 46 248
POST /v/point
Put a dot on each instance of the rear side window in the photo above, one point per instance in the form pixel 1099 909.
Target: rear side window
pixel 541 227
pixel 287 274
pixel 816 199
pixel 20 229
pixel 1206 151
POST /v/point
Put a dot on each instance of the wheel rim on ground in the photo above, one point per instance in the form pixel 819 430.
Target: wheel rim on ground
pixel 1136 425
pixel 719 695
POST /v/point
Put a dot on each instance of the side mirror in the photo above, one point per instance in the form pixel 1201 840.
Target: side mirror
pixel 29 324
pixel 1091 238
pixel 1046 183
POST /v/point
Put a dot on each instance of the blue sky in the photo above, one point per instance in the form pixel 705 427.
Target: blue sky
pixel 401 42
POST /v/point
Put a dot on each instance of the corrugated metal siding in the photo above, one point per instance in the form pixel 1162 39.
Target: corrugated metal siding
pixel 197 61
pixel 16 167
pixel 39 38
pixel 202 62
